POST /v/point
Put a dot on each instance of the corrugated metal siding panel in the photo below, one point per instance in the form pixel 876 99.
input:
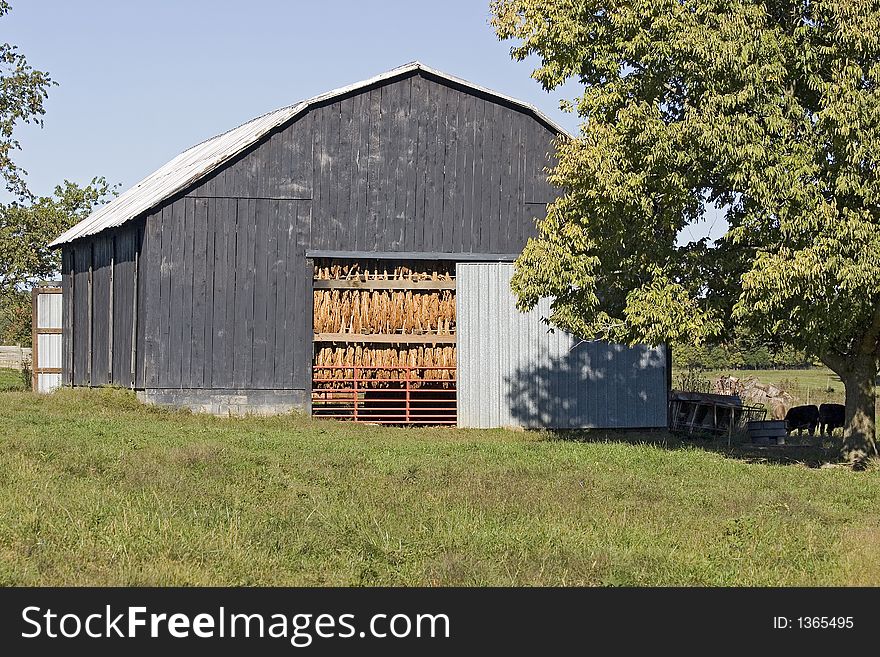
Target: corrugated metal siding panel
pixel 49 311
pixel 514 370
pixel 49 347
pixel 48 382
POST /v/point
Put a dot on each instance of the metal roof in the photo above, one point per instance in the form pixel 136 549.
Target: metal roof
pixel 200 160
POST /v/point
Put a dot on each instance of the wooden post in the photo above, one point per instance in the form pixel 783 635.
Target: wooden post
pixel 35 340
pixel 730 427
pixel 89 351
pixel 110 313
pixel 134 322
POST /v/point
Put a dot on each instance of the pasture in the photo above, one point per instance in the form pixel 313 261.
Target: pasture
pixel 96 489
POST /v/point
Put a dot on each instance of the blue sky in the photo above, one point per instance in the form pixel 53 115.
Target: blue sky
pixel 141 81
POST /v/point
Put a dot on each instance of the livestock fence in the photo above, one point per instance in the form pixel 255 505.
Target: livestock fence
pixel 385 395
pixel 14 357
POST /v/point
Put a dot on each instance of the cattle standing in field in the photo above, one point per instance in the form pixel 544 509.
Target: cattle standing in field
pixel 831 417
pixel 802 417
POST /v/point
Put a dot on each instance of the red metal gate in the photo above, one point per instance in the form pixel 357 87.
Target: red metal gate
pixel 385 395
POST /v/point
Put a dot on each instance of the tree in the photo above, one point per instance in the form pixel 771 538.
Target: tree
pixel 767 109
pixel 28 224
pixel 27 229
pixel 22 92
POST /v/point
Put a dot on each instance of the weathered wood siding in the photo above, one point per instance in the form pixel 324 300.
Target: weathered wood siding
pixel 225 297
pixel 97 339
pixel 414 164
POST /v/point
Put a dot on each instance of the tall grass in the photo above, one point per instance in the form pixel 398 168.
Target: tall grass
pixel 97 489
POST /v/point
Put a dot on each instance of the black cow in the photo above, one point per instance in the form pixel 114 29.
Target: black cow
pixel 802 417
pixel 831 417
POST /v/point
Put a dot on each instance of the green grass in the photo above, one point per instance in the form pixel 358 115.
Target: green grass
pixel 96 489
pixel 10 380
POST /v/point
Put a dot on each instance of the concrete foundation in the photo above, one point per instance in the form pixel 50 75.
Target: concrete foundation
pixel 229 402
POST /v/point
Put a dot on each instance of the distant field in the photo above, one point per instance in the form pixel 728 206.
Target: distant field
pixel 814 377
pixel 97 489
pixel 814 385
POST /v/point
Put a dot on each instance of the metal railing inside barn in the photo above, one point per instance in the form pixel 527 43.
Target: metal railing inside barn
pixel 385 395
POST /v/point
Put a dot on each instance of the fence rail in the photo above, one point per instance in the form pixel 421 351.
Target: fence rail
pixel 385 395
pixel 12 357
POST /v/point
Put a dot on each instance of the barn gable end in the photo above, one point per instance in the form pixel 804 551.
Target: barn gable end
pixel 414 163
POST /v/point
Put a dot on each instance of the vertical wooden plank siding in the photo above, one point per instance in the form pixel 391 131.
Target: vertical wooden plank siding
pixel 224 223
pixel 260 375
pixel 199 347
pixel 213 289
pixel 185 289
pixel 67 273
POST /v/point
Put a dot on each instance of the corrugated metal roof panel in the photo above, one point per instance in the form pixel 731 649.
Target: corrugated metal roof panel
pixel 201 159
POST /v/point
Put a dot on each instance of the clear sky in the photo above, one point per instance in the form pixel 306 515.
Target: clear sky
pixel 139 82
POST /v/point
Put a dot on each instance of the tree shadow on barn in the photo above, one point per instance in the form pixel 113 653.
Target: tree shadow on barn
pixel 613 388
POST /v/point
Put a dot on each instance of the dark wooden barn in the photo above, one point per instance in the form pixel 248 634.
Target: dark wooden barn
pixel 196 286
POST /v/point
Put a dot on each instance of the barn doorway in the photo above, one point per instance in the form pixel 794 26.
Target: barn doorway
pixel 384 341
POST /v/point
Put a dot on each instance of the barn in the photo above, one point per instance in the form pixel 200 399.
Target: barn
pixel 348 256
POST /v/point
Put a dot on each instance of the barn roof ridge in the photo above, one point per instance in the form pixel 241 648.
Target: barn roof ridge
pixel 207 156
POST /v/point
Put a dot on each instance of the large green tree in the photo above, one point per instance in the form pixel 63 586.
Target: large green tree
pixel 767 109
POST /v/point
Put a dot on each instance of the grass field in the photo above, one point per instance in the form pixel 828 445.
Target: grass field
pixel 97 489
pixel 817 378
pixel 10 380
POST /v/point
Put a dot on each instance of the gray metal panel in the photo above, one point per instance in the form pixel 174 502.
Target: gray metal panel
pixel 49 347
pixel 49 311
pixel 48 382
pixel 515 370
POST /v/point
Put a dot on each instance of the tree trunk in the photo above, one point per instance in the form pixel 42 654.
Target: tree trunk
pixel 859 436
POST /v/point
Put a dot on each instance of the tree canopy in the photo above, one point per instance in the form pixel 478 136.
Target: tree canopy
pixel 767 109
pixel 27 228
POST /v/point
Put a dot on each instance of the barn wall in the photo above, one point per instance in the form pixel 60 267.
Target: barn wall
pixel 229 296
pixel 514 371
pixel 67 316
pixel 409 166
pixel 98 284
